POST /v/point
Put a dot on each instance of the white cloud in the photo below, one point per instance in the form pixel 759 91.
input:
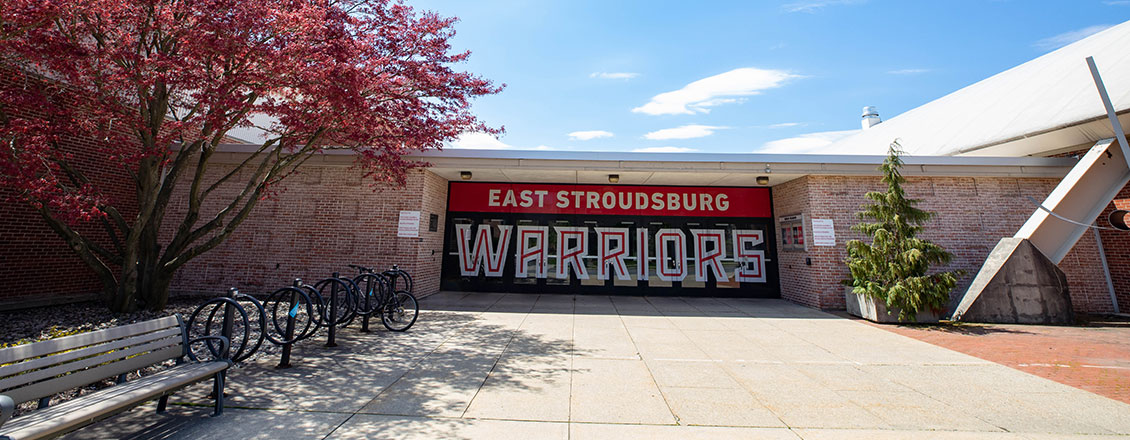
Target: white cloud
pixel 587 135
pixel 806 143
pixel 484 141
pixel 786 125
pixel 907 71
pixel 479 141
pixel 811 6
pixel 1117 3
pixel 699 96
pixel 613 75
pixel 685 132
pixel 1058 41
pixel 664 150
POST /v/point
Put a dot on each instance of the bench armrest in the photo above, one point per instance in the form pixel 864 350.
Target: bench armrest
pixel 7 407
pixel 225 344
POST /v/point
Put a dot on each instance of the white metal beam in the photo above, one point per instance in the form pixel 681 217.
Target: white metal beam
pixel 1081 196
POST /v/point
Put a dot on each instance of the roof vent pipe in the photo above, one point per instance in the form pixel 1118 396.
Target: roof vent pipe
pixel 870 117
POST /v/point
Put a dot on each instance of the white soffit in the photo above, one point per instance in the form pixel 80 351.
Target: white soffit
pixel 684 168
pixel 711 169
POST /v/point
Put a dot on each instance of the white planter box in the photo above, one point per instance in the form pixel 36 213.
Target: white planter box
pixel 867 307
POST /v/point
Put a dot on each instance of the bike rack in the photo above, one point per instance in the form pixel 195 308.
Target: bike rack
pixel 291 314
pixel 372 289
pixel 341 308
pixel 294 297
pixel 395 273
pixel 229 304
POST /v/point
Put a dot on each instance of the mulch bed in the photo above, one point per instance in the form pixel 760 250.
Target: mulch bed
pixel 42 323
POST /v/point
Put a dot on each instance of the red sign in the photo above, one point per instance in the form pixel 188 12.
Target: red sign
pixel 683 201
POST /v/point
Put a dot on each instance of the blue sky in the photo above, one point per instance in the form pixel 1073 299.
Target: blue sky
pixel 738 77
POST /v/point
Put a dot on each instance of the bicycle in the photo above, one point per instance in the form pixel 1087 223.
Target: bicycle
pixel 399 309
pixel 395 272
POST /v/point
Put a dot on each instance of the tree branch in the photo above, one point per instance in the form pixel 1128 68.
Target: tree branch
pixel 82 248
pixel 235 171
pixel 249 197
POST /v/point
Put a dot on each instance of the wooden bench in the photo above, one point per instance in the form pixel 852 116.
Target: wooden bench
pixel 40 370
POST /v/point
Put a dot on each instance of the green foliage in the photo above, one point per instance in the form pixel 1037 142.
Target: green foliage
pixel 51 333
pixel 894 266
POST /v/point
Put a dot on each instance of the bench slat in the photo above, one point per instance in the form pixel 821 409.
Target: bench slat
pixel 47 361
pixel 83 410
pixel 111 357
pixel 86 377
pixel 20 352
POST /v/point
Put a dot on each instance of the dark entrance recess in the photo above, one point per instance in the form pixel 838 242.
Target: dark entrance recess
pixel 452 279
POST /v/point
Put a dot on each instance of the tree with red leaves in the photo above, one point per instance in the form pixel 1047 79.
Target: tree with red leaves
pixel 162 83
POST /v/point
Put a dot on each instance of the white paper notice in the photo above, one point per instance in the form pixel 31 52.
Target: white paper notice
pixel 823 232
pixel 409 225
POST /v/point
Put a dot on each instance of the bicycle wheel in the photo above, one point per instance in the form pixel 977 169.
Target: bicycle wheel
pixel 400 312
pixel 409 286
pixel 395 274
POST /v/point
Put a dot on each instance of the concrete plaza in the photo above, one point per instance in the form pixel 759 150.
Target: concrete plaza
pixel 581 367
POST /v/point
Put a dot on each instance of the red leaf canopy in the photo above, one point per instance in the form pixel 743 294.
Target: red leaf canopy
pixel 154 77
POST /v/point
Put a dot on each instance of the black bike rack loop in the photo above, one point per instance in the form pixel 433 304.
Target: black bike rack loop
pixel 292 297
pixel 394 273
pixel 230 307
pixel 339 311
pixel 372 288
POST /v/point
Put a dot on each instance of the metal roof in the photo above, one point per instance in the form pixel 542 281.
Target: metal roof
pixel 1044 105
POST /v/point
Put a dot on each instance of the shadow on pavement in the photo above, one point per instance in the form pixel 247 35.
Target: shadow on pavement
pixel 434 370
pixel 672 306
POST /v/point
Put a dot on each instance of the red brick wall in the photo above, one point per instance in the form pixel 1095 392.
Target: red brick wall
pixel 1116 245
pixel 36 265
pixel 973 214
pixel 429 256
pixel 799 283
pixel 324 219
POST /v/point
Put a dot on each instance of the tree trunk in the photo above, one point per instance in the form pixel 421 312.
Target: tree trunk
pixel 149 289
pixel 124 297
pixel 152 282
pixel 159 291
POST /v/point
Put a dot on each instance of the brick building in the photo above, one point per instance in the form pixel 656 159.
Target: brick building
pixel 327 219
pixel 761 225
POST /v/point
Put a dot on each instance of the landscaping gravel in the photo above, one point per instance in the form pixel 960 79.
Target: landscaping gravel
pixel 42 323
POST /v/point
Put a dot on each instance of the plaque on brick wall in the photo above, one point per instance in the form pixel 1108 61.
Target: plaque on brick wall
pixel 409 225
pixel 792 232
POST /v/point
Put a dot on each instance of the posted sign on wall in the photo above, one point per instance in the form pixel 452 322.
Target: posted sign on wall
pixel 823 232
pixel 609 200
pixel 409 225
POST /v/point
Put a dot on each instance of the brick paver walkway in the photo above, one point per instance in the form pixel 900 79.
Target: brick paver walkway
pixel 1095 358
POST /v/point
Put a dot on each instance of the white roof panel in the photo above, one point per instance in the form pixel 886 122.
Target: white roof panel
pixel 1050 93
